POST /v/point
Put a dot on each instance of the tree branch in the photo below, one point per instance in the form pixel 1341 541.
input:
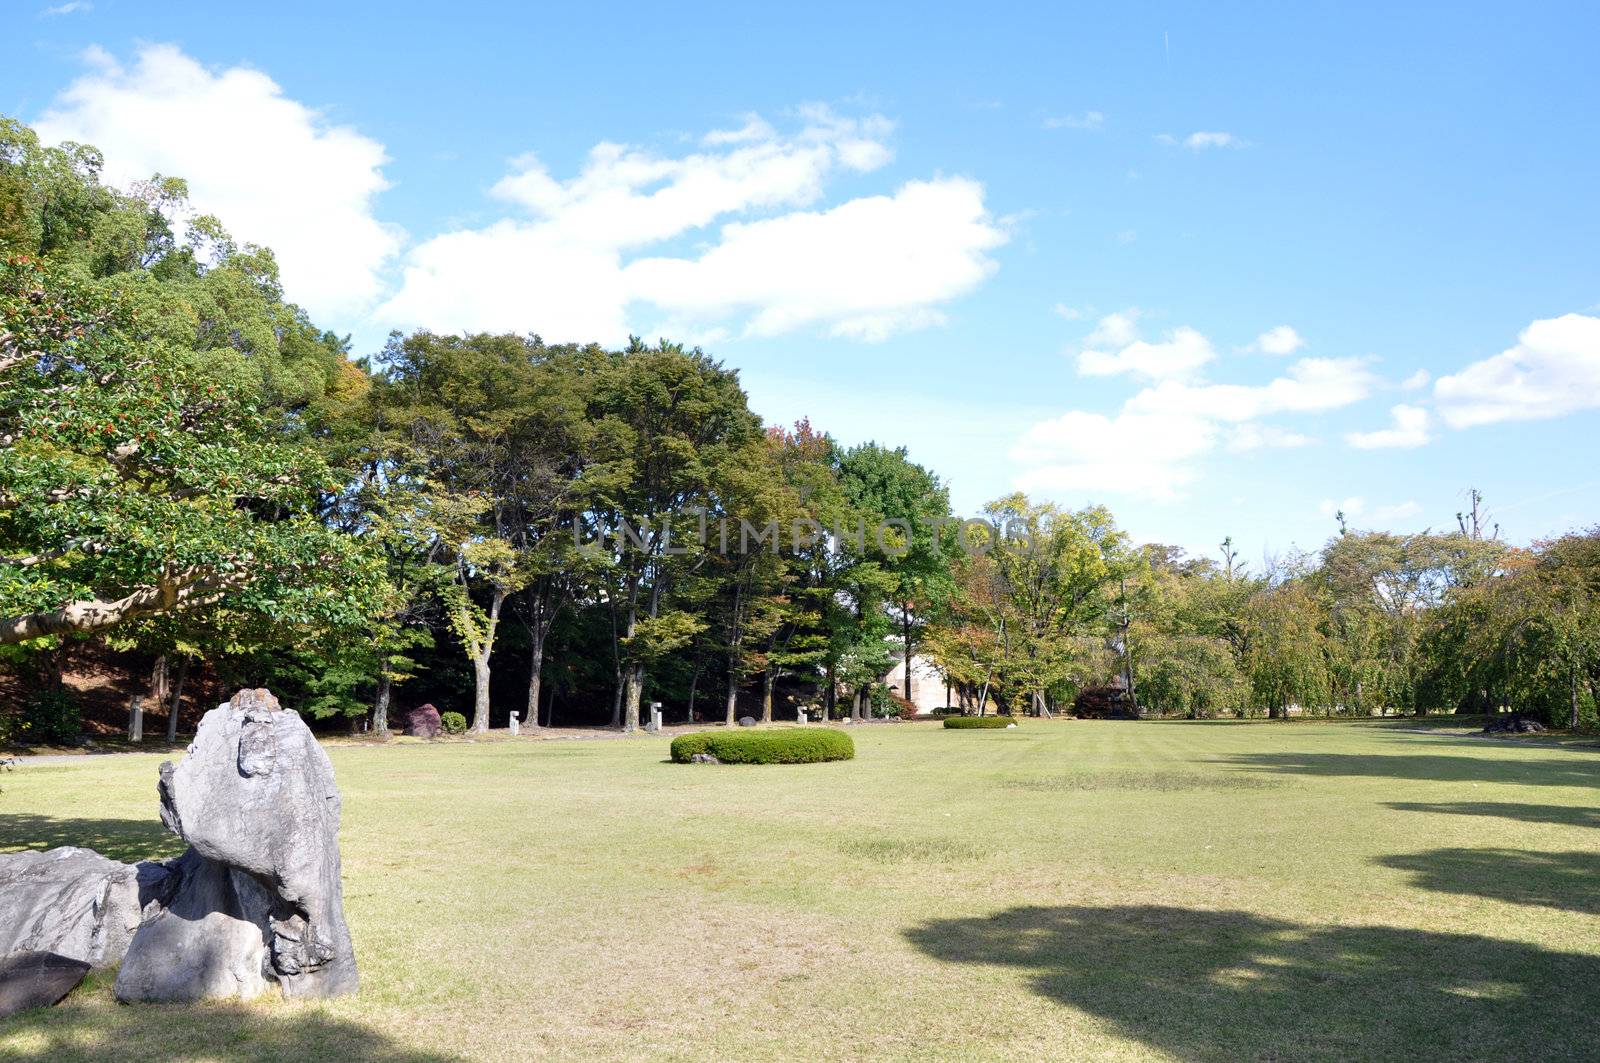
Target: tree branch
pixel 168 596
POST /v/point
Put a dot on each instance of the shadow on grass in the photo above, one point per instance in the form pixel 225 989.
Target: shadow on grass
pixel 128 840
pixel 1567 881
pixel 1427 767
pixel 196 1033
pixel 1564 815
pixel 1226 986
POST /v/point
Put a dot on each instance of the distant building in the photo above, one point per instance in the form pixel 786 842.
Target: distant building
pixel 929 691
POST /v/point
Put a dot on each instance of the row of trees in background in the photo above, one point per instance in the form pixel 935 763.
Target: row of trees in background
pixel 193 469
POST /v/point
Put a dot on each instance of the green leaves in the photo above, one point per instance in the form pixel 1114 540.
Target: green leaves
pixel 132 486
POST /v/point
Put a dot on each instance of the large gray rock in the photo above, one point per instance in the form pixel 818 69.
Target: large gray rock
pixel 73 903
pixel 37 980
pixel 256 900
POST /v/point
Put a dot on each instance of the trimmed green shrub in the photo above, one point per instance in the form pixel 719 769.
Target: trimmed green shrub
pixel 798 745
pixel 453 723
pixel 50 716
pixel 967 723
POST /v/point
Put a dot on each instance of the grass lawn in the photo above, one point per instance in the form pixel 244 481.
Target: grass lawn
pixel 1086 890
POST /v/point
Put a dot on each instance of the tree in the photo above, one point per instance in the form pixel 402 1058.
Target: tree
pixel 1286 662
pixel 670 423
pixel 907 513
pixel 462 415
pixel 134 485
pixel 1057 568
pixel 1181 662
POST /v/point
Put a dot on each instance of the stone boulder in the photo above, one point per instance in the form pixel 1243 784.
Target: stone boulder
pixel 423 722
pixel 1515 724
pixel 73 903
pixel 37 980
pixel 747 721
pixel 256 899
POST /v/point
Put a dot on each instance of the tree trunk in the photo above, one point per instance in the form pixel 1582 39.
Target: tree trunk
pixel 1574 723
pixel 480 695
pixel 175 703
pixel 733 696
pixel 626 714
pixel 855 704
pixel 632 691
pixel 380 705
pixel 831 698
pixel 767 681
pixel 480 664
pixel 535 677
pixel 905 643
pixel 158 682
pixel 694 685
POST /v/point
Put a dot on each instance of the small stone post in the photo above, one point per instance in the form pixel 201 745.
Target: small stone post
pixel 655 718
pixel 800 716
pixel 136 719
pixel 516 727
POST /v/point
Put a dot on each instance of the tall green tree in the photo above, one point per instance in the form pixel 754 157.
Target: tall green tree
pixel 908 533
pixel 134 484
pixel 670 424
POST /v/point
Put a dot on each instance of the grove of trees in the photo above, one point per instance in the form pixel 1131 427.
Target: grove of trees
pixel 190 468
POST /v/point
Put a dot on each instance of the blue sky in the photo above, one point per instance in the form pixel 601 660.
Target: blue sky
pixel 1222 270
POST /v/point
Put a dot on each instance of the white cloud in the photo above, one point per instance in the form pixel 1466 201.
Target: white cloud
pixel 1280 340
pixel 1310 385
pixel 866 268
pixel 73 7
pixel 1409 428
pixel 1416 380
pixel 1553 370
pixel 1086 120
pixel 576 265
pixel 1127 454
pixel 1116 329
pixel 1180 355
pixel 275 171
pixel 1199 141
pixel 1246 437
pixel 754 128
pixel 1151 446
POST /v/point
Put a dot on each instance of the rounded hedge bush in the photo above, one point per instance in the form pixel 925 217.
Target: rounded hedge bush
pixel 50 717
pixel 962 723
pixel 453 723
pixel 797 745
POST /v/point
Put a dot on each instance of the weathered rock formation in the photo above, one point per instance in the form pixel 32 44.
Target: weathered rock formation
pixel 73 903
pixel 256 899
pixel 37 980
pixel 423 722
pixel 1516 723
